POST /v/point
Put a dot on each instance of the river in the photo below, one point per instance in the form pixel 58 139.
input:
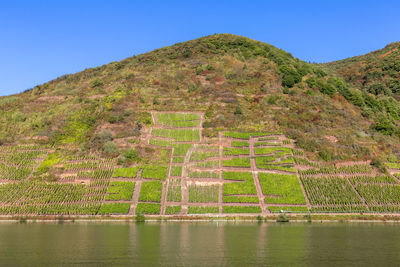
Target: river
pixel 200 244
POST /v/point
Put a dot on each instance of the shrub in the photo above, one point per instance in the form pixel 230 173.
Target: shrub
pixel 140 218
pixel 238 111
pixel 104 136
pixel 383 125
pixel 271 100
pixel 285 90
pixel 326 88
pixel 146 118
pixel 131 155
pixel 96 83
pixel 192 87
pixel 379 163
pixel 110 148
pixel 311 82
pixel 290 76
pixel 325 155
pixel 288 81
pixel 199 70
pixel 378 88
pixel 282 218
pixel 209 67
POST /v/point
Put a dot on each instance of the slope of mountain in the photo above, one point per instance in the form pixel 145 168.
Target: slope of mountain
pixel 239 83
pixel 211 125
pixel 377 72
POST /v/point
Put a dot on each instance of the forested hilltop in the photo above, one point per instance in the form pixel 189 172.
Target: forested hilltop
pixel 213 125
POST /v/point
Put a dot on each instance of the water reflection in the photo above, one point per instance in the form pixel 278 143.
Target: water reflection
pixel 200 244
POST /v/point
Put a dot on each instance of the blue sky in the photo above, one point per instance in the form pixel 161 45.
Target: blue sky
pixel 41 40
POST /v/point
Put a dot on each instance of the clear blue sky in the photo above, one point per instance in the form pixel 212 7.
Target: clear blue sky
pixel 41 40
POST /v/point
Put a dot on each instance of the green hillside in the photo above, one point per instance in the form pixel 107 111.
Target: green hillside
pixel 377 72
pixel 221 124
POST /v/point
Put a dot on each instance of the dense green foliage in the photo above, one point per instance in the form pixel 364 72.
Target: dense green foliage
pixel 114 208
pixel 151 191
pixel 281 189
pixel 120 191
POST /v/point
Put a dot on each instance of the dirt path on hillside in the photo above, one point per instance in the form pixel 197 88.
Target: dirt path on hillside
pixel 302 186
pixel 221 154
pixel 165 184
pixel 358 193
pixel 135 198
pixel 184 181
pixel 257 184
pixel 34 168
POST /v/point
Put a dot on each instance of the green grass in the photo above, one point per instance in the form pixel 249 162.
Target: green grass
pixel 237 176
pixel 237 135
pixel 279 168
pixel 178 134
pixel 270 163
pixel 241 209
pixel 151 191
pixel 203 194
pixel 178 119
pixel 178 160
pixel 281 188
pixel 261 161
pixel 240 199
pixel 176 171
pixel 203 174
pixel 51 160
pixel 181 149
pixel 268 138
pixel 160 142
pixel 232 191
pixel 208 164
pixel 155 172
pixel 171 210
pixel 114 208
pixel 295 209
pixel 246 136
pixel 120 190
pixel 202 210
pixel 271 150
pixel 257 144
pixel 393 165
pixel 236 151
pixel 240 144
pixel 148 208
pixel 174 191
pixel 203 155
pixel 126 172
pixel 237 162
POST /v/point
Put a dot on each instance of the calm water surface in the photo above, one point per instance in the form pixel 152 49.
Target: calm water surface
pixel 199 244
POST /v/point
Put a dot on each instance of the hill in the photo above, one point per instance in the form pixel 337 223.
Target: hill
pixel 377 73
pixel 374 74
pixel 221 124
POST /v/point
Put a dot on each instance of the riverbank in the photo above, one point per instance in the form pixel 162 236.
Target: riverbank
pixel 197 218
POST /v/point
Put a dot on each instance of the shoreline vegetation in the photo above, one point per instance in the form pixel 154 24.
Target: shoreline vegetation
pixel 321 218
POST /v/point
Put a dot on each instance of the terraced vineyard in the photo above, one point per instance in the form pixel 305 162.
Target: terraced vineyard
pixel 232 173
